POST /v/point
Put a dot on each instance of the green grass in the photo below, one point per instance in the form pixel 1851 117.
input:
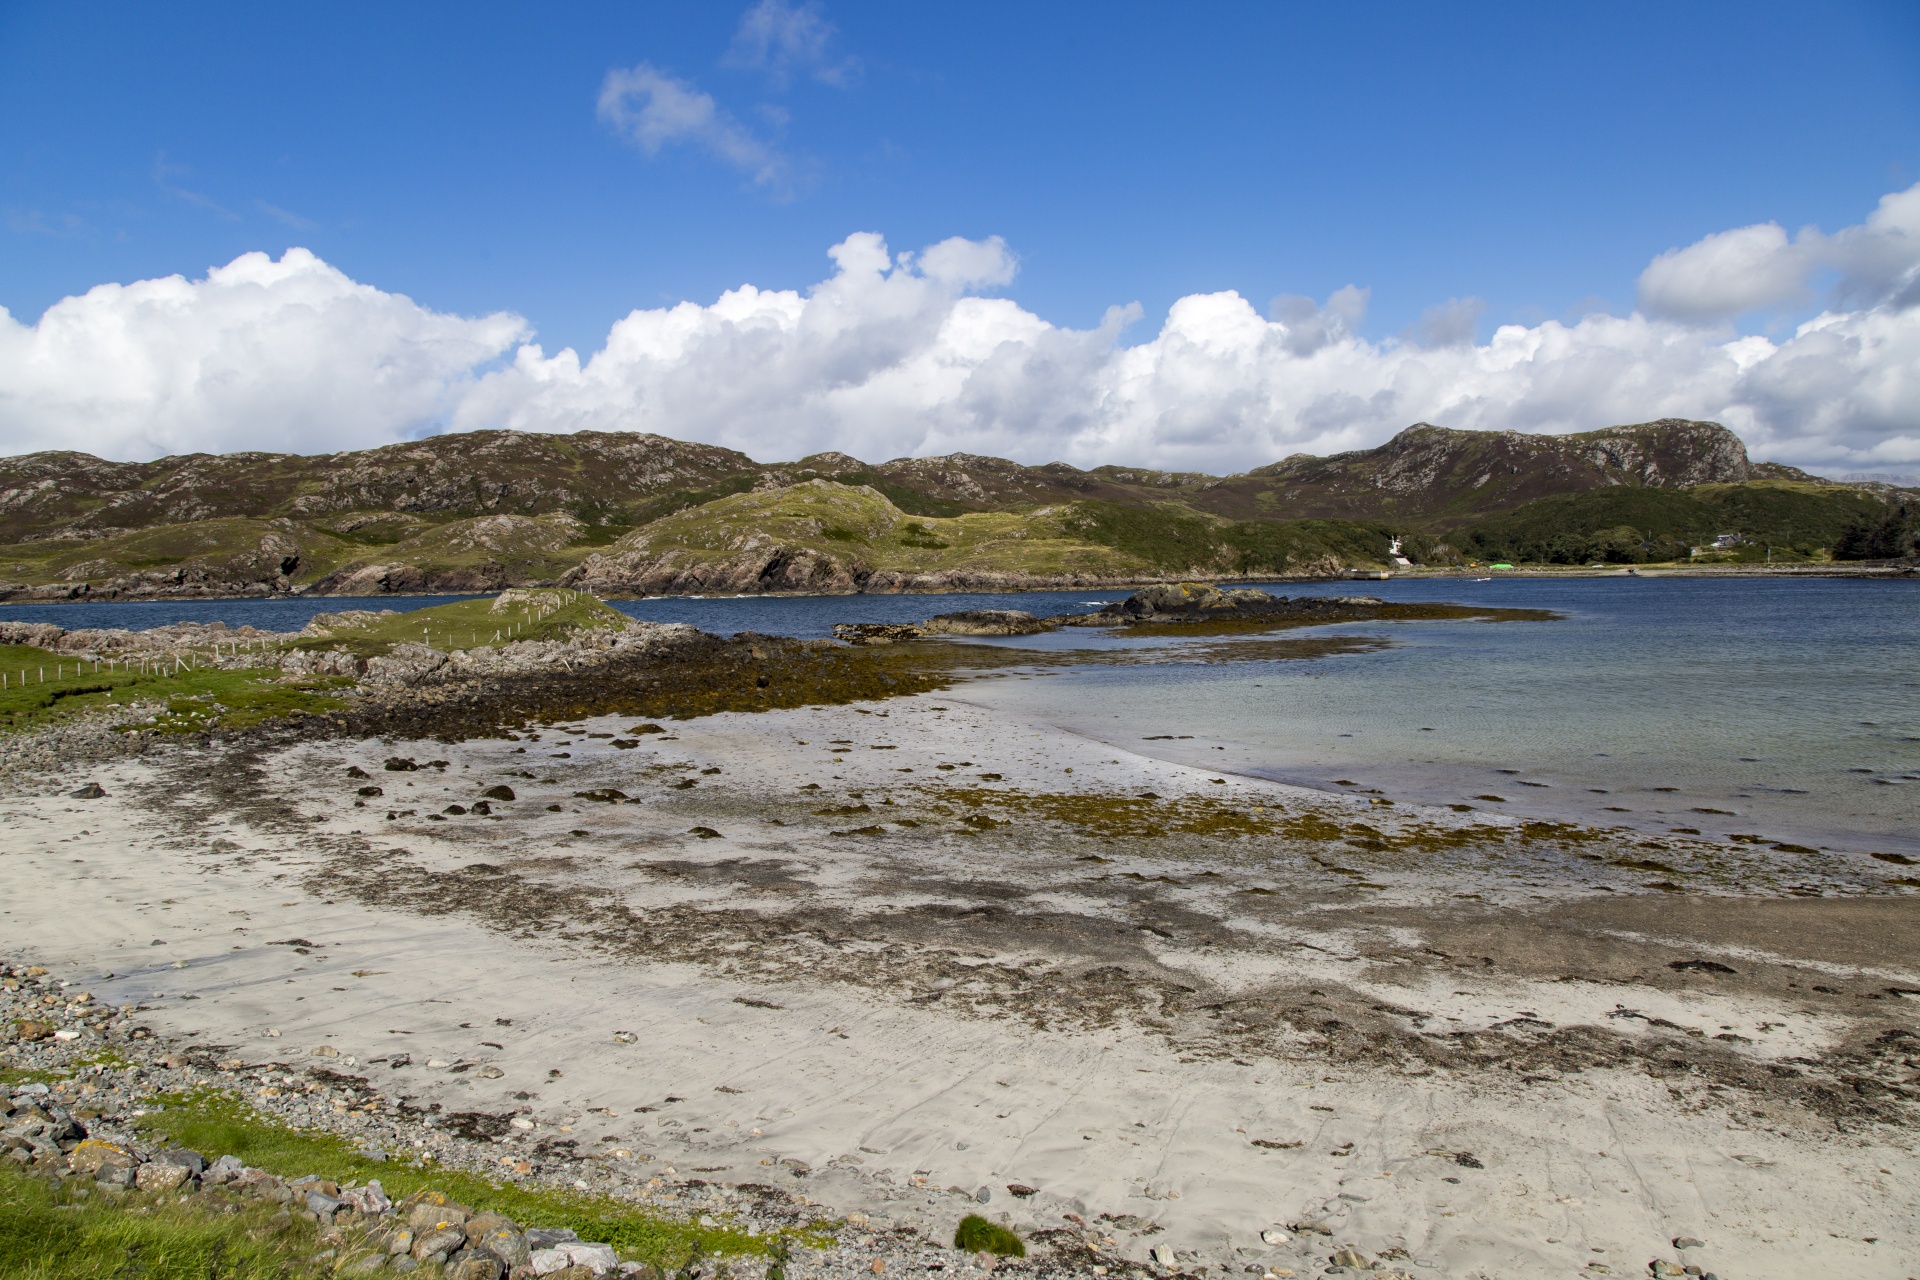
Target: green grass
pixel 977 1235
pixel 527 614
pixel 864 528
pixel 61 1231
pixel 184 700
pixel 217 1124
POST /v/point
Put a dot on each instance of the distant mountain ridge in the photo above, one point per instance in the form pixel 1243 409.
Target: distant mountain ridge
pixel 484 509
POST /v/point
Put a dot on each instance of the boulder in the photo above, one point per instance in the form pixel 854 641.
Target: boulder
pixel 428 1216
pixel 504 1243
pixel 92 1155
pixel 598 1259
pixel 192 1161
pixel 500 791
pixel 405 664
pixel 442 1242
pixel 159 1176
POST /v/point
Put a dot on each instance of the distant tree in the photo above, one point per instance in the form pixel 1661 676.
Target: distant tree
pixel 1894 536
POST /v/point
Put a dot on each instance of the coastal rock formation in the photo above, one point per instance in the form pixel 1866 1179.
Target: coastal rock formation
pixel 985 622
pixel 864 634
pixel 1204 602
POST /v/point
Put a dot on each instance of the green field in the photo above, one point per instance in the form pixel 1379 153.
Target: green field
pixel 541 613
pixel 41 688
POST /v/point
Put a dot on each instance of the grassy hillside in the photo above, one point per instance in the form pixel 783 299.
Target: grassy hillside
pixel 859 524
pixel 1637 526
pixel 1172 539
pixel 235 550
pixel 469 554
pixel 481 511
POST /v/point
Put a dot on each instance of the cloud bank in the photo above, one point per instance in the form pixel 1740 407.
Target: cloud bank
pixel 287 355
pixel 901 354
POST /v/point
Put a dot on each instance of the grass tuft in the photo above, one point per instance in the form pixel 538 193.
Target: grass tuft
pixel 977 1235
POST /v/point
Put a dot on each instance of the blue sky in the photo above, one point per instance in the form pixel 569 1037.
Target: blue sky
pixel 340 225
pixel 1533 155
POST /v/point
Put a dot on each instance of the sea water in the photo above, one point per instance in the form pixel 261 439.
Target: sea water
pixel 1784 708
pixel 1787 708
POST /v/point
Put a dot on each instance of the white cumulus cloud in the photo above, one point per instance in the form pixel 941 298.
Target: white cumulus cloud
pixel 900 354
pixel 1732 272
pixel 259 355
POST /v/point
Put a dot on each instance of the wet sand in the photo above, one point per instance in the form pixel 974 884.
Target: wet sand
pixel 923 949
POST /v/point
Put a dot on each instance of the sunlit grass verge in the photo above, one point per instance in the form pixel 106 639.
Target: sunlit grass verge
pixel 65 1231
pixel 43 688
pixel 520 614
pixel 217 1124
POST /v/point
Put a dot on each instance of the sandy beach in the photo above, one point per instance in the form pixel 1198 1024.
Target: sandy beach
pixel 920 958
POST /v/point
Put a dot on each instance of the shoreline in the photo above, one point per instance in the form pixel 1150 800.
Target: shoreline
pixel 1418 573
pixel 1182 1020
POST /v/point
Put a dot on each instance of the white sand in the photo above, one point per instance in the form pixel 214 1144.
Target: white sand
pixel 1603 1166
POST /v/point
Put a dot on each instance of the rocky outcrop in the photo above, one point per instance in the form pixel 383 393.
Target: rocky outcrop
pixel 757 571
pixel 1204 602
pixel 985 622
pixel 866 634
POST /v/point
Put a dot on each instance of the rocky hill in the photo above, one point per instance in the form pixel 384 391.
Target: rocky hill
pixel 642 513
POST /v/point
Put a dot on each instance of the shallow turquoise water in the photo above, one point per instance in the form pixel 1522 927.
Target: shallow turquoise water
pixel 1791 705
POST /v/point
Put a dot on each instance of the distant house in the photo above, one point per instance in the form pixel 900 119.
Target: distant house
pixel 1723 542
